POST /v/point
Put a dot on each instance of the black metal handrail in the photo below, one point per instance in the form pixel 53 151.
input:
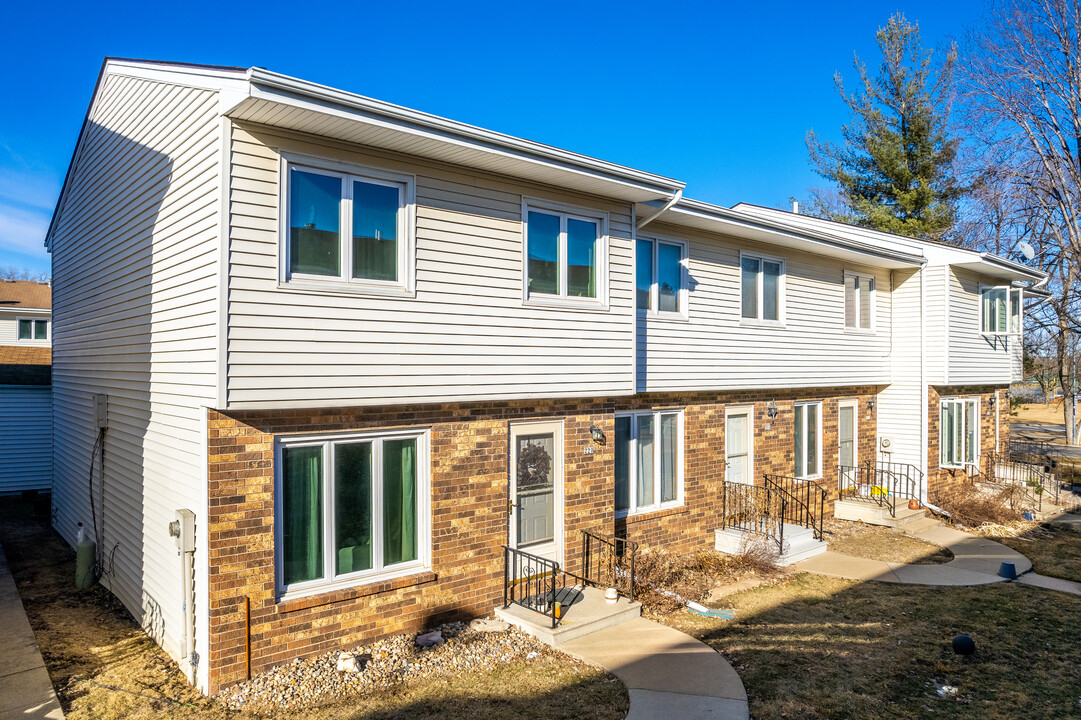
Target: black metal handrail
pixel 533 582
pixel 806 502
pixel 754 509
pixel 1026 481
pixel 883 483
pixel 608 561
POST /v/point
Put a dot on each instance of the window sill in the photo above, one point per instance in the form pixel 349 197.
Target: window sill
pixel 345 289
pixel 859 331
pixel 287 605
pixel 652 513
pixel 773 324
pixel 670 316
pixel 561 303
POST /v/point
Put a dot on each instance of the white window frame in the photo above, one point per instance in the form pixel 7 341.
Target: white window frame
pixel 984 288
pixel 565 213
pixel 818 439
pixel 964 402
pixel 344 282
pixel 853 403
pixel 32 340
pixel 330 582
pixel 1019 306
pixel 683 294
pixel 862 277
pixel 632 466
pixel 760 286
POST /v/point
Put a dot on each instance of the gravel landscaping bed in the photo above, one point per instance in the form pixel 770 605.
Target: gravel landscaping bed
pixel 304 683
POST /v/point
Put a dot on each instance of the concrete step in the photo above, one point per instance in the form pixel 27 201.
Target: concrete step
pixel 799 543
pixel 585 611
pixel 800 548
pixel 872 513
pixel 924 523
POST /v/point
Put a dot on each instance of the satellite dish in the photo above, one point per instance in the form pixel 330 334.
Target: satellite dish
pixel 1027 250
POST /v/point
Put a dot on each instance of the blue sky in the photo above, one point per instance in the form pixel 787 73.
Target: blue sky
pixel 720 95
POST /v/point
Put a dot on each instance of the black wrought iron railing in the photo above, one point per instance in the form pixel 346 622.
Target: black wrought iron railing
pixel 608 561
pixel 754 509
pixel 533 582
pixel 1027 482
pixel 883 483
pixel 805 502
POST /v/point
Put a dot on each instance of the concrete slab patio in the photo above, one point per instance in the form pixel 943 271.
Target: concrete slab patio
pixel 26 693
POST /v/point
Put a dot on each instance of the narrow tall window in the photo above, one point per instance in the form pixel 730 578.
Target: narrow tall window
pixel 994 310
pixel 808 432
pixel 1015 311
pixel 859 301
pixel 649 448
pixel 564 255
pixel 761 287
pixel 959 433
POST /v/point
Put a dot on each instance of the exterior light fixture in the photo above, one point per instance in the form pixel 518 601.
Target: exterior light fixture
pixel 772 410
pixel 597 434
pixel 871 405
pixel 991 401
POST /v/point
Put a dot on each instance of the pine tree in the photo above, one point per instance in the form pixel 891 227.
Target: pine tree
pixel 894 170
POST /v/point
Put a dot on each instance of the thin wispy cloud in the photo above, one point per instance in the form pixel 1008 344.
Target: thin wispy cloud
pixel 27 197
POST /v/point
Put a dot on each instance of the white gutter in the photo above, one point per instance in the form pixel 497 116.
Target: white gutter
pixel 676 197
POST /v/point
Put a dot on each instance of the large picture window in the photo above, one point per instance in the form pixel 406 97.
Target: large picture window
pixel 761 288
pixel 808 450
pixel 565 255
pixel 348 228
pixel 351 509
pixel 649 460
pixel 959 432
pixel 659 276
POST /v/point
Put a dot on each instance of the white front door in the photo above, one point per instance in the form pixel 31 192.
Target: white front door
pixel 738 454
pixel 536 488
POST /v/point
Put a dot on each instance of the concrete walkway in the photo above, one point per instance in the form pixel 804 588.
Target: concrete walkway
pixel 26 692
pixel 976 560
pixel 668 674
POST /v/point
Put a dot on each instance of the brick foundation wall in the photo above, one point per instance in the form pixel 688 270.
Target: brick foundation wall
pixel 941 482
pixel 469 458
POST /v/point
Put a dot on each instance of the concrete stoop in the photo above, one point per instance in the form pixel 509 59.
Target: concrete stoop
pixel 799 543
pixel 584 609
pixel 874 514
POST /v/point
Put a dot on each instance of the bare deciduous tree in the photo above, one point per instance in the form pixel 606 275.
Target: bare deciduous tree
pixel 11 272
pixel 1021 83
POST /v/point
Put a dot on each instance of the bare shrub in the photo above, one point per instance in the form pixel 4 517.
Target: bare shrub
pixel 971 507
pixel 660 574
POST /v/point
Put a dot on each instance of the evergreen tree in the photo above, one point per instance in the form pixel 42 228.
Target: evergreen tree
pixel 894 170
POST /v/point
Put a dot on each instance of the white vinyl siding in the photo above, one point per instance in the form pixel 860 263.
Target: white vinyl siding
pixel 715 350
pixel 976 357
pixel 26 438
pixel 135 293
pixel 900 404
pixel 9 328
pixel 467 335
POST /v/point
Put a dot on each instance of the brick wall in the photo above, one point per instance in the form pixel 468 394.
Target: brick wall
pixel 942 481
pixel 469 458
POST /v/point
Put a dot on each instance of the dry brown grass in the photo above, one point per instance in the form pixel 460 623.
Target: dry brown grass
pixel 875 542
pixel 1039 414
pixel 89 640
pixel 815 648
pixel 692 576
pixel 1054 551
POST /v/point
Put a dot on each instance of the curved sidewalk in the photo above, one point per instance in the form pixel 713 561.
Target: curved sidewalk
pixel 668 674
pixel 976 561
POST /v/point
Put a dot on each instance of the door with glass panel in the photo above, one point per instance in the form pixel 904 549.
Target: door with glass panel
pixel 846 442
pixel 737 446
pixel 536 488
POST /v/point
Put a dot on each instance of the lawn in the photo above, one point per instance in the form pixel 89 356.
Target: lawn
pixel 1054 551
pixel 89 641
pixel 818 647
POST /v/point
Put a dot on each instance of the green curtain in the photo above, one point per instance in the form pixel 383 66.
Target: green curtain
pixel 399 501
pixel 302 514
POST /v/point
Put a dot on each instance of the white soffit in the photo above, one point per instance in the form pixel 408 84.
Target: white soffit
pixel 283 102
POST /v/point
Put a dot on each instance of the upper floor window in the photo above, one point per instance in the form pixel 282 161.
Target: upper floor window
pixel 808 439
pixel 648 462
pixel 761 287
pixel 351 509
pixel 348 228
pixel 859 301
pixel 33 329
pixel 959 432
pixel 660 286
pixel 1000 310
pixel 564 255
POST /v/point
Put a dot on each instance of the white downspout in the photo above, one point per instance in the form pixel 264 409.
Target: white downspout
pixel 923 382
pixel 645 220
